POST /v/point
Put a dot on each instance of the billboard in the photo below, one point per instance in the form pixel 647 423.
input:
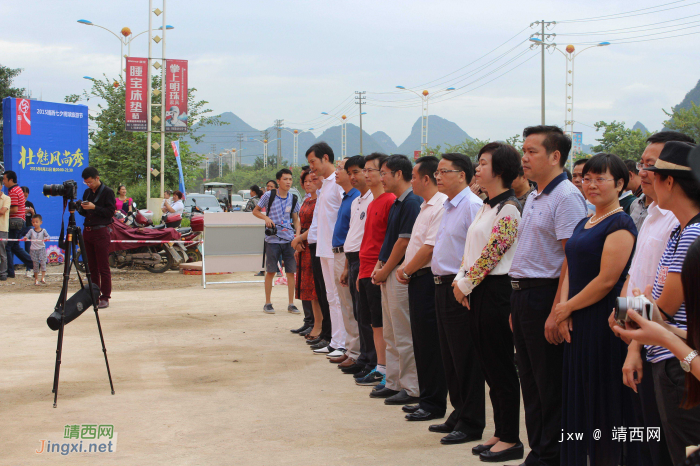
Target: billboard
pixel 45 143
pixel 136 94
pixel 577 144
pixel 176 96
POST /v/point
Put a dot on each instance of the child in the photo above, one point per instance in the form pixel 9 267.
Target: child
pixel 38 251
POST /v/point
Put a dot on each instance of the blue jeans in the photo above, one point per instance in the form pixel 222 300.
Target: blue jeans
pixel 14 248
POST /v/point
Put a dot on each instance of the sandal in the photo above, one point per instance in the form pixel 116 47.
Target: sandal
pixel 312 337
pixel 43 281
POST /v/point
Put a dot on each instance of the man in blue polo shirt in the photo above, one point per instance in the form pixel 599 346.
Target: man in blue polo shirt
pixel 401 385
pixel 340 231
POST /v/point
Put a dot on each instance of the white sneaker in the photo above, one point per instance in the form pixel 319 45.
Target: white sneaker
pixel 324 350
pixel 336 354
pixel 28 273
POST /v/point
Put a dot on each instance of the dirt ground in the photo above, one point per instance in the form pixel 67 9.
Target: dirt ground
pixel 202 377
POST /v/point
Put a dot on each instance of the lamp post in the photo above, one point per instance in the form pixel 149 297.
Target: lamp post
pixel 295 133
pixel 233 160
pixel 264 142
pixel 125 40
pixel 424 96
pixel 343 139
pixel 569 55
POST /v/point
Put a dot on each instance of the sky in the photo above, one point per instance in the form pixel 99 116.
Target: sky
pixel 273 59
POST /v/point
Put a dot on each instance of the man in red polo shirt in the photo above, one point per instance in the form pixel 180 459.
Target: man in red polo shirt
pixel 370 295
pixel 17 223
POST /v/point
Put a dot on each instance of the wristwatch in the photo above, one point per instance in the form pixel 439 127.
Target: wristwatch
pixel 405 275
pixel 685 363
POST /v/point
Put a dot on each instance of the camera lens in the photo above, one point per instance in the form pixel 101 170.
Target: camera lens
pixel 53 190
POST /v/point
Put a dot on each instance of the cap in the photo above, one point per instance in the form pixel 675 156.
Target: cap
pixel 675 159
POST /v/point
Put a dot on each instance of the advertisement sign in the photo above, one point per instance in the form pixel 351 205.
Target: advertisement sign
pixel 176 96
pixel 46 143
pixel 416 154
pixel 577 144
pixel 136 94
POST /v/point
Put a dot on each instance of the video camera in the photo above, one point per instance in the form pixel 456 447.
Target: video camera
pixel 67 190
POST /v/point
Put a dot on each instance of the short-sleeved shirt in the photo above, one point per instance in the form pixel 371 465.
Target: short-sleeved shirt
pixel 280 213
pixel 5 203
pixel 342 224
pixel 358 215
pixel 375 230
pixel 178 206
pixel 426 226
pixel 17 200
pixel 402 216
pixel 549 217
pixel 27 215
pixel 460 211
pixel 36 236
pixel 672 262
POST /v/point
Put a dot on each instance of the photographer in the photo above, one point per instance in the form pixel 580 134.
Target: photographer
pixel 282 208
pixel 98 207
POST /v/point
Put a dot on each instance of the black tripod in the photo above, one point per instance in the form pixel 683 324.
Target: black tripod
pixel 74 238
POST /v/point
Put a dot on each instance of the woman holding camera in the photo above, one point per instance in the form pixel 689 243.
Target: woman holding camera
pixel 598 255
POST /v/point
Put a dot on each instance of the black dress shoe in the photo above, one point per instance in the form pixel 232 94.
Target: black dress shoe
pixel 515 452
pixel 422 415
pixel 410 408
pixel 315 341
pixel 455 437
pixel 477 450
pixel 383 393
pixel 441 428
pixel 401 398
pixel 354 369
pixel 306 331
pixel 300 329
pixel 319 345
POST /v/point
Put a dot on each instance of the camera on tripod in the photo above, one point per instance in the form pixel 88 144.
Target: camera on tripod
pixel 68 189
pixel 639 304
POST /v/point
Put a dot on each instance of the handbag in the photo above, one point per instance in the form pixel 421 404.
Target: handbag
pixel 16 223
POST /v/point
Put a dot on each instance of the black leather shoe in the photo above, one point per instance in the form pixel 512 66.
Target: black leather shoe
pixel 455 437
pixel 401 398
pixel 319 345
pixel 300 329
pixel 315 341
pixel 422 415
pixel 477 450
pixel 410 408
pixel 515 452
pixel 383 393
pixel 354 369
pixel 306 331
pixel 441 428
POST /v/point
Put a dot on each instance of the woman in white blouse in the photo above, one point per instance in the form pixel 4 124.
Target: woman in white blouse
pixel 483 287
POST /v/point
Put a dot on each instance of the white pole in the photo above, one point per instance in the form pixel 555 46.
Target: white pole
pixel 121 60
pixel 164 90
pixel 148 106
pixel 427 118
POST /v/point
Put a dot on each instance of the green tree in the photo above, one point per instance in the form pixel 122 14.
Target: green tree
pixel 685 120
pixel 617 139
pixel 120 155
pixel 7 75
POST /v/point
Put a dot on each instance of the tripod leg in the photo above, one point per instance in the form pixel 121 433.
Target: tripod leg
pixel 62 304
pixel 79 240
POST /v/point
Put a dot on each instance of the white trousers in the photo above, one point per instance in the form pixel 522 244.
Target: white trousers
pixel 352 339
pixel 337 326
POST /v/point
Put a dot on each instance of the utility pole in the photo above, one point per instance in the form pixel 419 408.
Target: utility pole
pixel 359 100
pixel 278 125
pixel 543 43
pixel 240 147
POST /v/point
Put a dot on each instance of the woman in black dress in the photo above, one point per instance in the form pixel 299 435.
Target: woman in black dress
pixel 595 401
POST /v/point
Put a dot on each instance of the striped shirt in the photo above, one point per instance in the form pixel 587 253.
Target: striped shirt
pixel 549 217
pixel 280 213
pixel 672 262
pixel 17 200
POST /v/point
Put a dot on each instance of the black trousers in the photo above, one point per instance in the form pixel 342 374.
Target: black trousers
pixel 465 380
pixel 540 370
pixel 368 353
pixel 426 344
pixel 308 313
pixel 647 415
pixel 681 426
pixel 320 286
pixel 493 340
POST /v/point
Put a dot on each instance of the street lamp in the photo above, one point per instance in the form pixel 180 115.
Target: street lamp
pixel 343 137
pixel 264 142
pixel 126 39
pixel 569 55
pixel 425 96
pixel 295 133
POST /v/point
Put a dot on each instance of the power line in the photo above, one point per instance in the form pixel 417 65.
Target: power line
pixel 631 27
pixel 627 15
pixel 618 41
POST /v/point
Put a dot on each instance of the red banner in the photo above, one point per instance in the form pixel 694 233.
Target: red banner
pixel 176 96
pixel 24 117
pixel 136 94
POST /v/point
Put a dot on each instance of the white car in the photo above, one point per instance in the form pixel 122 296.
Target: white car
pixel 237 202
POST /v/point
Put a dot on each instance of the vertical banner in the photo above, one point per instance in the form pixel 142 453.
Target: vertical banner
pixel 176 98
pixel 136 89
pixel 176 150
pixel 416 154
pixel 46 143
pixel 577 143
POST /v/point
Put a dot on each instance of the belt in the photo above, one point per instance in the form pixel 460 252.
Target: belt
pixel 353 256
pixel 444 279
pixel 420 272
pixel 525 283
pixel 338 250
pixel 96 227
